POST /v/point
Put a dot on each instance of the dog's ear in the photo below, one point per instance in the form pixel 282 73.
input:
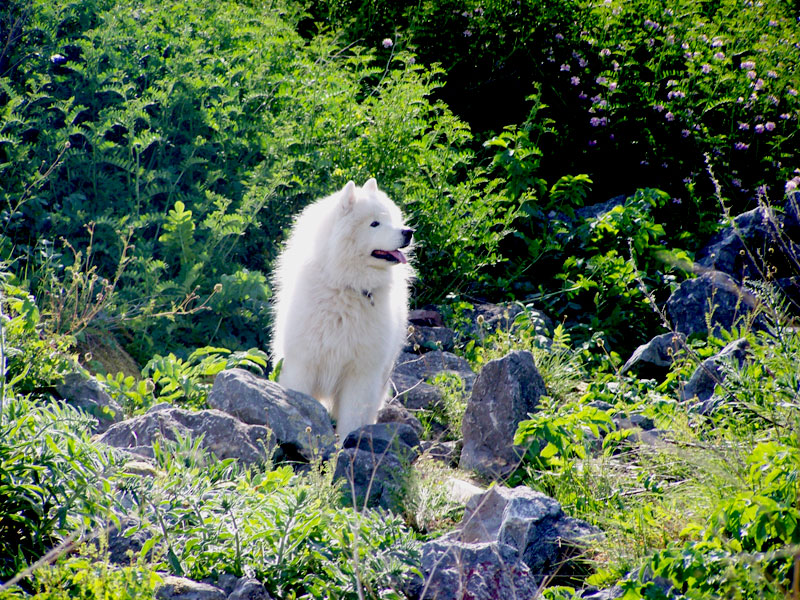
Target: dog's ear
pixel 348 197
pixel 371 185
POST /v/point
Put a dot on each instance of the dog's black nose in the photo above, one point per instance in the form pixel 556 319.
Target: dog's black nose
pixel 407 233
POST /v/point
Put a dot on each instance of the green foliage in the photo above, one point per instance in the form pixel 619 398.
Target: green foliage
pixel 208 517
pixel 189 381
pixel 53 480
pixel 90 577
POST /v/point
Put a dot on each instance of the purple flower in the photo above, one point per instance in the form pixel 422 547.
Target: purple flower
pixel 791 92
pixel 387 43
pixel 686 133
pixel 601 80
pixel 582 63
pixel 720 56
pixel 792 184
pixel 773 23
pixel 605 52
pixel 769 126
pixel 592 143
pixel 677 201
pixel 744 126
pixel 759 128
pixel 669 116
pixel 737 183
pixel 651 24
pixel 772 74
pixel 565 67
pixel 752 74
pixel 717 43
pixel 559 37
pixel 759 84
pixel 786 116
pixel 659 108
pixel 615 64
pixel 675 94
pixel 575 80
pixel 741 146
pixel 582 95
pixel 612 86
pixel 706 68
pixel 748 64
pixel 467 33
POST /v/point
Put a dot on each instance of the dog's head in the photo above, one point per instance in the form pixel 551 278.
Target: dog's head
pixel 373 226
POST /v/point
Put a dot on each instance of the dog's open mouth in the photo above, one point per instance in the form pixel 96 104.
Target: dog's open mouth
pixel 394 256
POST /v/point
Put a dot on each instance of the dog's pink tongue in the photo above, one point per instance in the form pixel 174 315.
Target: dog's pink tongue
pixel 401 258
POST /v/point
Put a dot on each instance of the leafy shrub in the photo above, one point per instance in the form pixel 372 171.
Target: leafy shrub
pixel 280 527
pixel 53 480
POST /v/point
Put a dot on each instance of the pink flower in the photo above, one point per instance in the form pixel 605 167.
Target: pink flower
pixel 752 74
pixel 706 69
pixel 759 128
pixel 748 64
pixel 669 116
pixel 565 67
pixel 601 80
pixel 387 43
pixel 720 56
pixel 575 80
pixel 769 126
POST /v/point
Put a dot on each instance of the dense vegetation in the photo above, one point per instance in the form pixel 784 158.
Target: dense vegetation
pixel 152 155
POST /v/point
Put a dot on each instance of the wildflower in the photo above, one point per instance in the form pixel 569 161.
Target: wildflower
pixel 612 86
pixel 720 56
pixel 741 146
pixel 759 84
pixel 592 143
pixel 772 74
pixel 387 43
pixel 786 116
pixel 744 126
pixel 748 64
pixel 598 121
pixel 582 95
pixel 773 23
pixel 686 133
pixel 575 80
pixel 677 201
pixel 676 94
pixel 792 184
pixel 467 33
pixel 651 24
pixel 737 183
pixel 669 116
pixel 615 64
pixel 791 92
pixel 565 67
pixel 582 63
pixel 479 11
pixel 605 52
pixel 769 126
pixel 752 74
pixel 659 108
pixel 759 128
pixel 601 80
pixel 706 68
pixel 559 37
pixel 717 43
pixel 773 100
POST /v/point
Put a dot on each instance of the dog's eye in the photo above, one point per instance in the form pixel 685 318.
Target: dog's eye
pixel 374 224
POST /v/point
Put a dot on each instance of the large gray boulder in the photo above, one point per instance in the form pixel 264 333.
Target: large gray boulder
pixel 87 394
pixel 689 305
pixel 755 244
pixel 371 479
pixel 548 541
pixel 505 393
pixel 300 424
pixel 222 434
pixel 454 570
pixel 398 438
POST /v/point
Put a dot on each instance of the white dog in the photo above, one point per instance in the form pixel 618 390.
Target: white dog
pixel 342 302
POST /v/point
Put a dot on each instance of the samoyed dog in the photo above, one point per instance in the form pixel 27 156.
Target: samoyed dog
pixel 341 307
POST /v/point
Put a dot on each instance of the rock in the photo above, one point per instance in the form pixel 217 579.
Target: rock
pixel 444 452
pixel 398 438
pixel 484 319
pixel 505 393
pixel 755 244
pixel 180 588
pixel 460 491
pixel 710 372
pixel 594 211
pixel 689 304
pixel 227 582
pixel 301 425
pixel 124 549
pixel 592 593
pixel 87 394
pixel 426 317
pixel 547 540
pixel 411 372
pixel 653 359
pixel 249 589
pixel 424 339
pixel 486 571
pixel 635 421
pixel 372 479
pixel 394 412
pixel 223 435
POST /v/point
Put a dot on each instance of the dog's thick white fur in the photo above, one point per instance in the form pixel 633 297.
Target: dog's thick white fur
pixel 341 307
